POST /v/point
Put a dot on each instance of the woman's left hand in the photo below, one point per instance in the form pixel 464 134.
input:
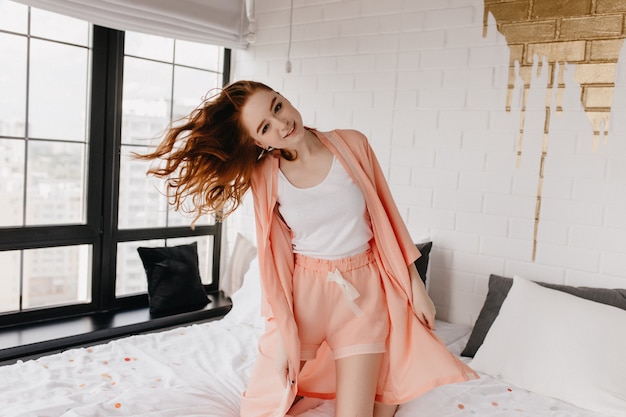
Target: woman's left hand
pixel 423 306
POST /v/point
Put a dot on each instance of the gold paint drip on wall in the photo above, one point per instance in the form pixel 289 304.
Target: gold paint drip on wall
pixel 586 33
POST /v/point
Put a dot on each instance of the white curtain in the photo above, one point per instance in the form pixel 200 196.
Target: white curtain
pixel 228 23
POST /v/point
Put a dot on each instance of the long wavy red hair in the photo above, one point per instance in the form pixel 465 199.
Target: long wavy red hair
pixel 208 156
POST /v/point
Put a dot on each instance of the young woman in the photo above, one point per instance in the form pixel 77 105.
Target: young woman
pixel 347 315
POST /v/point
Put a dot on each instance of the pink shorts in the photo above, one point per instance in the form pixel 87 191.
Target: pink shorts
pixel 342 303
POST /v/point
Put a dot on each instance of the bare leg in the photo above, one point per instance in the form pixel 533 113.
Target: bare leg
pixel 357 377
pixel 385 410
pixel 302 404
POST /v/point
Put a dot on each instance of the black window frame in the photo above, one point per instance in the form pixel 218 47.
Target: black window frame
pixel 100 229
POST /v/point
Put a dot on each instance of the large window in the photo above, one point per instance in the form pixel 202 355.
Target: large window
pixel 76 101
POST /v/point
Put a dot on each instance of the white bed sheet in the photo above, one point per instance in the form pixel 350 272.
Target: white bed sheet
pixel 198 370
pixel 201 370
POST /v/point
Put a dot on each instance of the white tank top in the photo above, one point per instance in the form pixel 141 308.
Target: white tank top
pixel 329 220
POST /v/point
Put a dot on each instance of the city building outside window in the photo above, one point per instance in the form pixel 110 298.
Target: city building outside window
pixel 76 101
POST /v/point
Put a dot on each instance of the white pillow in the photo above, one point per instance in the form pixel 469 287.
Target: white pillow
pixel 247 299
pixel 243 253
pixel 558 345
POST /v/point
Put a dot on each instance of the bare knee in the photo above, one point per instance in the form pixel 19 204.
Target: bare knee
pixel 385 410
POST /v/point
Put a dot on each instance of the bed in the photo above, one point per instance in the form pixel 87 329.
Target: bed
pixel 201 370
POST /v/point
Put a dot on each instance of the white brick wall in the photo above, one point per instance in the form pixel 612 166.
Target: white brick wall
pixel 429 90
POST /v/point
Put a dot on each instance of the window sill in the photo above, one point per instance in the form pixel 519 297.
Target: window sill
pixel 33 340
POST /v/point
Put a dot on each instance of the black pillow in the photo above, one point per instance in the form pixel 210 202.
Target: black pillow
pixel 499 288
pixel 421 263
pixel 174 284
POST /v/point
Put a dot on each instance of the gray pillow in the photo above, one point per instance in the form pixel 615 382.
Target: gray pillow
pixel 499 288
pixel 421 263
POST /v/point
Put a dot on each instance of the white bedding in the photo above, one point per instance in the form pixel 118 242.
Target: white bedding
pixel 201 370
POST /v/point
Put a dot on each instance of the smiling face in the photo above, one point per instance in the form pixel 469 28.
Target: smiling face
pixel 271 120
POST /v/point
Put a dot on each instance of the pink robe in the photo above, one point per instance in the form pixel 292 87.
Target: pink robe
pixel 415 361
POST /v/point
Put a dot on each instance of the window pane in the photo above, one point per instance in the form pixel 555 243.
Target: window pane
pixel 142 202
pixel 205 254
pixel 58 91
pixel 184 218
pixel 185 215
pixel 10 281
pixel 146 105
pixel 150 102
pixel 13 17
pixel 55 190
pixel 190 85
pixel 198 55
pixel 58 27
pixel 13 85
pixel 54 276
pixel 149 46
pixel 12 184
pixel 130 274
